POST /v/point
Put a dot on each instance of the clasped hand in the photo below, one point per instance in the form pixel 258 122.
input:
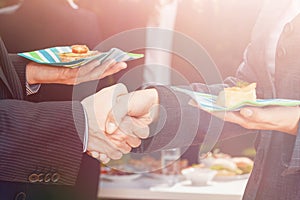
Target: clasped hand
pixel 115 124
pixel 118 120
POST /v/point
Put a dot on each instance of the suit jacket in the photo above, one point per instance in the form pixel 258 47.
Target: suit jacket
pixel 35 25
pixel 276 173
pixel 41 149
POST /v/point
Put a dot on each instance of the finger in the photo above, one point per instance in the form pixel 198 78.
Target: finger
pixel 114 69
pixel 104 158
pixel 134 141
pixel 99 145
pixel 141 129
pixel 130 138
pixel 119 141
pixel 94 154
pixel 116 115
pixel 99 69
pixel 89 66
pixel 99 156
pixel 136 126
pixel 104 99
pixel 259 115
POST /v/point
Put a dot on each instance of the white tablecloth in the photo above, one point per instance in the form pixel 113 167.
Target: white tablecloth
pixel 146 187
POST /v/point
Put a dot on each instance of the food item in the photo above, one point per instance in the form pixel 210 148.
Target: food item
pixel 78 52
pixel 114 172
pixel 243 163
pixel 233 96
pixel 225 167
pixel 79 49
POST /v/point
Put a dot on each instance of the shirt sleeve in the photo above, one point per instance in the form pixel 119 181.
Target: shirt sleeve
pixel 86 132
pixel 32 88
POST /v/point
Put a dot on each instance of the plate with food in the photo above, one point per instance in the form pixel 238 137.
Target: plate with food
pixel 234 98
pixel 76 55
pixel 112 174
pixel 232 169
pixel 228 168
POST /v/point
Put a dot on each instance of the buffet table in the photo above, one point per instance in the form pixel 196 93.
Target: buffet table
pixel 148 187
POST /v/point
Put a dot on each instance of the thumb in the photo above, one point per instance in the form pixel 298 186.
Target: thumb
pixel 117 114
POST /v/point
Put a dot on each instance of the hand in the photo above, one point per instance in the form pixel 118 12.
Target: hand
pixel 97 107
pixel 277 118
pixel 133 113
pixel 40 73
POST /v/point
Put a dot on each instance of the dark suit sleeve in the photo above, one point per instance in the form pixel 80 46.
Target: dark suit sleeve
pixel 35 135
pixel 182 125
pixel 20 66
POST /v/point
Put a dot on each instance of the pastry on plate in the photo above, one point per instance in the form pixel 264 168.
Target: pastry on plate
pixel 78 52
pixel 233 96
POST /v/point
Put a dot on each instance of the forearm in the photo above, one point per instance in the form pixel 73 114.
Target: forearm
pixel 180 124
pixel 176 125
pixel 49 74
pixel 35 135
pixel 35 73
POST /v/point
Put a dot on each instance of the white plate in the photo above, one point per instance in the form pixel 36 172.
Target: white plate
pixel 231 178
pixel 120 177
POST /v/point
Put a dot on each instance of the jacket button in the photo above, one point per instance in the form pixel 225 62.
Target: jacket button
pixel 20 196
pixel 47 178
pixel 33 178
pixel 41 177
pixel 55 177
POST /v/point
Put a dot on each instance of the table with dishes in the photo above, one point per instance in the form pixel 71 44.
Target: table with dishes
pixel 146 186
pixel 220 176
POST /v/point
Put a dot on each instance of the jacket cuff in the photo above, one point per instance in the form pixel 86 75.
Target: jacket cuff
pixel 176 119
pixel 20 66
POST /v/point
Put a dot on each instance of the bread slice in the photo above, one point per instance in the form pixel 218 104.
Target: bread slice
pixel 233 96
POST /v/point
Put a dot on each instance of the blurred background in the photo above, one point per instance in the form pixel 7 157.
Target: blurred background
pixel 222 27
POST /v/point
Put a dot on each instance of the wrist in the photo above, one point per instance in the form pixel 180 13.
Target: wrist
pixel 30 74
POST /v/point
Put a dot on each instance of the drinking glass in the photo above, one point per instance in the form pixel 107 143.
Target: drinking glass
pixel 170 165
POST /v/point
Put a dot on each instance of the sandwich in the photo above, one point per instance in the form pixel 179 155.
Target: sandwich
pixel 243 163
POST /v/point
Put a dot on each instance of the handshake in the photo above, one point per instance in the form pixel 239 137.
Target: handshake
pixel 118 120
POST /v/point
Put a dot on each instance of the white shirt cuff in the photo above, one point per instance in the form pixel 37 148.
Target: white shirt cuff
pixel 32 89
pixel 86 132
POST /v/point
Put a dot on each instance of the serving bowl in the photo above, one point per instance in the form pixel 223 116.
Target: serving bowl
pixel 198 175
